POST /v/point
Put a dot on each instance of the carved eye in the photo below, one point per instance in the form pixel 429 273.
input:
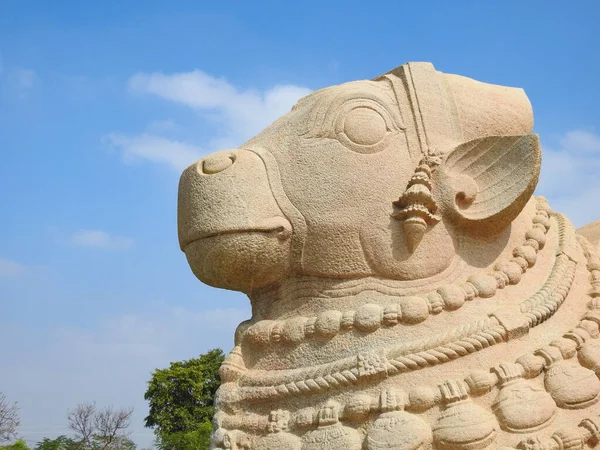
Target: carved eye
pixel 365 126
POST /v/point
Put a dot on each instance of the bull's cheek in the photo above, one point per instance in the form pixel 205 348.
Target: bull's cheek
pixel 240 261
pixel 388 256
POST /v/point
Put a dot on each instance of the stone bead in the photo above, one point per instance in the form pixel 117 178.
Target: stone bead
pixel 532 365
pixel 358 407
pixel 543 220
pixel 537 235
pixel 240 332
pixel 589 355
pixel 260 332
pixel 391 314
pixel 533 244
pixel 511 269
pixel 485 285
pixel 423 398
pixel 527 253
pixel 481 381
pixel 591 327
pixel 293 330
pixel 567 347
pixel 414 309
pixel 328 323
pixel 543 205
pixel 452 295
pixel 521 262
pixel 543 214
pixel 368 317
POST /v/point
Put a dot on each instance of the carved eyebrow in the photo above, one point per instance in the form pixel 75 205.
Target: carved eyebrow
pixel 322 114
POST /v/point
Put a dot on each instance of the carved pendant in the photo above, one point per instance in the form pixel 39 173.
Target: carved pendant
pixel 331 433
pixel 570 385
pixel 589 355
pixel 521 406
pixel 398 430
pixel 463 425
pixel 280 441
pixel 278 436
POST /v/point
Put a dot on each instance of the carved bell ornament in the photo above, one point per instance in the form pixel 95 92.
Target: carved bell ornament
pixel 278 436
pixel 396 429
pixel 462 425
pixel 589 355
pixel 570 385
pixel 330 433
pixel 417 207
pixel 521 406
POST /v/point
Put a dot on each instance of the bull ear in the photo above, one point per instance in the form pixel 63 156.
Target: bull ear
pixel 485 183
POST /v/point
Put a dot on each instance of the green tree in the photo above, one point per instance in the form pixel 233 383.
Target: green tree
pixel 60 443
pixel 17 445
pixel 181 400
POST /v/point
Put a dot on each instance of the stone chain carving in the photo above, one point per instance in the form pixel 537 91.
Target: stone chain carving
pixel 414 309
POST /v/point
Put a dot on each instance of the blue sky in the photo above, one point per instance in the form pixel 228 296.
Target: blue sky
pixel 103 103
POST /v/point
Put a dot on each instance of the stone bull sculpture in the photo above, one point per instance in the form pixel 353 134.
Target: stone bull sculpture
pixel 408 290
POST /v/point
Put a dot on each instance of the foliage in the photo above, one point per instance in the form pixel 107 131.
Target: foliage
pixel 96 443
pixel 198 439
pixel 18 445
pixel 181 400
pixel 60 443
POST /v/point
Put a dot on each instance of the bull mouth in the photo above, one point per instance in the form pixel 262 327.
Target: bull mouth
pixel 276 225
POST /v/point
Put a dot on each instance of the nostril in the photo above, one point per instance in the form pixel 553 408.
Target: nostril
pixel 217 163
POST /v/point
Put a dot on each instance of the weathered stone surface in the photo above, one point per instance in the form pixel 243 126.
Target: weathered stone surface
pixel 408 290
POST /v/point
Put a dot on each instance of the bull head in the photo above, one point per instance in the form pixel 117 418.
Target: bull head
pixel 389 178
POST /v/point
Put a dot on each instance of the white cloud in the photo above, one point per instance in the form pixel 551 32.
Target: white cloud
pixel 10 268
pixel 156 149
pixel 581 141
pixel 100 239
pixel 240 113
pixel 570 176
